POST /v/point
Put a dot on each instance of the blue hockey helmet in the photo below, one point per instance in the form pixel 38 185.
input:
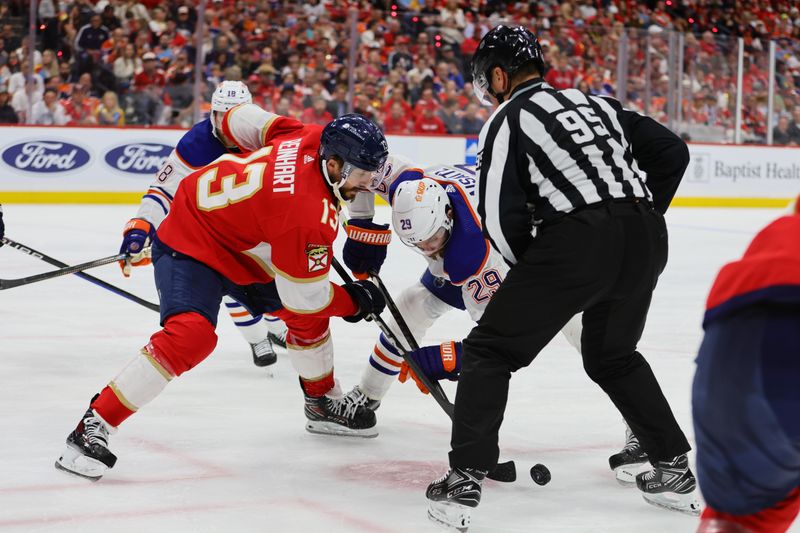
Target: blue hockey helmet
pixel 357 140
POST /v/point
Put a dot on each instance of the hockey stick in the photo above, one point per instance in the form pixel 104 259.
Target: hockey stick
pixel 505 472
pixel 11 283
pixel 436 390
pixel 91 279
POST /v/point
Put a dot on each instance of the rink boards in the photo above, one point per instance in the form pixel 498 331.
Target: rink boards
pixel 115 165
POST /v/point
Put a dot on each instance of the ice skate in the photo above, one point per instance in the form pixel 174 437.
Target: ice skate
pixel 277 332
pixel 671 485
pixel 263 353
pixel 452 497
pixel 362 399
pixel 87 454
pixel 346 416
pixel 630 461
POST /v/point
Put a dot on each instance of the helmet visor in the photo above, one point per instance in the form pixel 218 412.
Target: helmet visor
pixel 358 178
pixel 480 86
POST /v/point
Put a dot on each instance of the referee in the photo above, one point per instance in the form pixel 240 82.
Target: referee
pixel 563 197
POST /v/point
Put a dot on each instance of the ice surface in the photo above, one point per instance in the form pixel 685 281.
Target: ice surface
pixel 224 447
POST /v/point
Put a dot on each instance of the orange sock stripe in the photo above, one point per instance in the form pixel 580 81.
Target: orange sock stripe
pixel 386 358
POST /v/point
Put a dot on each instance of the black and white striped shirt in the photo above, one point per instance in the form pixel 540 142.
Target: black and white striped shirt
pixel 545 153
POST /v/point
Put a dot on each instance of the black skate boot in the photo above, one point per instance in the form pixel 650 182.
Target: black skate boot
pixel 263 353
pixel 360 398
pixel 278 339
pixel 671 485
pixel 452 497
pixel 630 461
pixel 343 416
pixel 87 454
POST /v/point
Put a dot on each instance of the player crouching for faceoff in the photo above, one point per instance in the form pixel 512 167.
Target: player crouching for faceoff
pixel 200 146
pixel 258 227
pixel 436 217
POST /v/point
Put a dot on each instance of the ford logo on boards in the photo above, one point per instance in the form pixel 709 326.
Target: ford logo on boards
pixel 139 158
pixel 45 156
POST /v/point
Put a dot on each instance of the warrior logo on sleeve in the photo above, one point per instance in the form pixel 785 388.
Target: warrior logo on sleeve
pixel 318 256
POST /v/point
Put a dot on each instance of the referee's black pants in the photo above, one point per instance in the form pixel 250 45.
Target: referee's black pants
pixel 603 260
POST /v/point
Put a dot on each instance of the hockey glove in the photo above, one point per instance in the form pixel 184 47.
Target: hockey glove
pixel 367 297
pixel 136 237
pixel 437 362
pixel 365 249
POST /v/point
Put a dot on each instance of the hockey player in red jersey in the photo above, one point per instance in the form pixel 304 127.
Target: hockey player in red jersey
pixel 199 147
pixel 258 227
pixel 746 392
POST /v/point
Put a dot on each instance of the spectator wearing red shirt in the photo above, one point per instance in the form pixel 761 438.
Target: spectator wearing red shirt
pixel 397 121
pixel 428 122
pixel 316 114
pixel 150 75
pixel 397 96
pixel 561 76
pixel 148 85
pixel 426 99
pixel 78 107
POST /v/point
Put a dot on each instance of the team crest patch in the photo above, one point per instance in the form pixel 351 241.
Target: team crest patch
pixel 318 256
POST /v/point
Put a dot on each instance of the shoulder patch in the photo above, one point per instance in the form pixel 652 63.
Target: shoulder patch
pixel 318 256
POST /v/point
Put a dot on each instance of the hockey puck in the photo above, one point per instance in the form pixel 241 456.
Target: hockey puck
pixel 540 474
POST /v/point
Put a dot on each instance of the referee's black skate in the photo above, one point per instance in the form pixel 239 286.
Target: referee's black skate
pixel 452 497
pixel 87 454
pixel 263 353
pixel 630 461
pixel 671 485
pixel 347 416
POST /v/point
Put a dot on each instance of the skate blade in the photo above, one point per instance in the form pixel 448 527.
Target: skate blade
pixel 75 463
pixel 265 361
pixel 450 516
pixel 626 474
pixel 337 430
pixel 682 503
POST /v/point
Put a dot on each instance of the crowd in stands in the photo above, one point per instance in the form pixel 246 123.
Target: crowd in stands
pixel 118 62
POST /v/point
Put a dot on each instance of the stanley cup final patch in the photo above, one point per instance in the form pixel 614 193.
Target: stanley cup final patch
pixel 318 256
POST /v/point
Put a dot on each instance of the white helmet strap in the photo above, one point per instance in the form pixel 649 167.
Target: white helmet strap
pixel 337 185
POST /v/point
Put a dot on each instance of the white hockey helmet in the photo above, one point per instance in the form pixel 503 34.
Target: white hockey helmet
pixel 229 94
pixel 419 212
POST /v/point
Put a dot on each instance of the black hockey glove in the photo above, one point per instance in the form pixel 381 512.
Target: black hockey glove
pixel 367 297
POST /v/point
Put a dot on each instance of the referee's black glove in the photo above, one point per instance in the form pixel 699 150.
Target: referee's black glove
pixel 367 297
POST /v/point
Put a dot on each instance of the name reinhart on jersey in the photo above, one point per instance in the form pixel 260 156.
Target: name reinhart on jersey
pixel 285 166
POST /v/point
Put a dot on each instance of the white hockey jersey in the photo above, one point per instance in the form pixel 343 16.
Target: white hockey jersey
pixel 469 261
pixel 247 125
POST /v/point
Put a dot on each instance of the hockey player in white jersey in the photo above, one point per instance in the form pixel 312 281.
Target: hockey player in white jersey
pixel 202 144
pixel 433 212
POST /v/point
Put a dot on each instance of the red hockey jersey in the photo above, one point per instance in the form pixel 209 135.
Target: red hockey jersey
pixel 263 216
pixel 769 271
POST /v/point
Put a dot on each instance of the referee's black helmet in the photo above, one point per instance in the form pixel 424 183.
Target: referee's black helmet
pixel 507 47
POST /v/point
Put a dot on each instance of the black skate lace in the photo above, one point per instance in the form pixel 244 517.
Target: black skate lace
pixel 95 431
